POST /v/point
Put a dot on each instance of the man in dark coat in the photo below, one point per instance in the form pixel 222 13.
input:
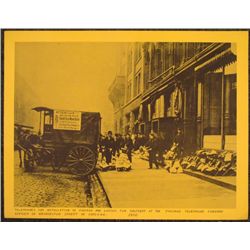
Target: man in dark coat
pixel 117 145
pixel 129 147
pixel 152 146
pixel 109 147
pixel 161 148
pixel 178 141
pixel 102 146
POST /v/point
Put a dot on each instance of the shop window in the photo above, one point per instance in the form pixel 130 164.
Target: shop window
pixel 212 104
pixel 142 128
pixel 155 126
pixel 188 104
pixel 212 111
pixel 159 107
pixel 175 103
pixel 136 128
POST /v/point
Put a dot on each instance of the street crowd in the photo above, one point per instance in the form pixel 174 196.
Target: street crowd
pixel 111 147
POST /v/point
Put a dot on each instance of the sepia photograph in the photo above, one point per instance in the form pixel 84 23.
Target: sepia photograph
pixel 130 128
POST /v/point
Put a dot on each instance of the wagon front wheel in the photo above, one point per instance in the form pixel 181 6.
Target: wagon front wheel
pixel 81 160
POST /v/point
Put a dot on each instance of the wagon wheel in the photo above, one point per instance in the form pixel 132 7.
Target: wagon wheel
pixel 81 160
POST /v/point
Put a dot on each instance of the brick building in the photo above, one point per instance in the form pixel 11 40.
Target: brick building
pixel 186 85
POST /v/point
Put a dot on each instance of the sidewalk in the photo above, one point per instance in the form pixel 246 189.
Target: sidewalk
pixel 150 188
pixel 228 182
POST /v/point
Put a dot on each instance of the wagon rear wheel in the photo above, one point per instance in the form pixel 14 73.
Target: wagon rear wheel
pixel 81 160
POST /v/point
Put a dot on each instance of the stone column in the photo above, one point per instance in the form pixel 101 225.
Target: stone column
pixel 223 108
pixel 199 112
pixel 227 106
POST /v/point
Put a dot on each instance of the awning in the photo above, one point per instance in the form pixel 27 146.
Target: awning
pixel 224 58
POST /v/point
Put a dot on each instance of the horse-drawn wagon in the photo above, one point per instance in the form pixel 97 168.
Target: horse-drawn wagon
pixel 65 139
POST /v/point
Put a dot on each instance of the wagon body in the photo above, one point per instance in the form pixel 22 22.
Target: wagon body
pixel 87 133
pixel 70 137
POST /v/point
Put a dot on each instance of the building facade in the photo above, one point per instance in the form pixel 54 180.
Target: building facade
pixel 127 96
pixel 191 86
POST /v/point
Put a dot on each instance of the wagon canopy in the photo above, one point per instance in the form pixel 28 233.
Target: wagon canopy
pixel 39 109
pixel 65 126
pixel 88 133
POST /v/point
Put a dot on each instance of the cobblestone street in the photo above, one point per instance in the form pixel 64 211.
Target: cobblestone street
pixel 45 188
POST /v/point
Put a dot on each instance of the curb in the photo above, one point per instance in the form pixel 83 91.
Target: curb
pixel 211 180
pixel 207 178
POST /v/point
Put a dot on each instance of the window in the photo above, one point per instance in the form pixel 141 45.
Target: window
pixel 159 107
pixel 152 61
pixel 158 62
pixel 189 50
pixel 137 85
pixel 129 61
pixel 47 119
pixel 166 56
pixel 179 54
pixel 212 104
pixel 129 91
pixel 137 51
pixel 212 111
pixel 198 47
pixel 142 128
pixel 175 103
pixel 155 126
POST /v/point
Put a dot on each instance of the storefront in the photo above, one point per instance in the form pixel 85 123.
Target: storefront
pixel 216 101
pixel 162 113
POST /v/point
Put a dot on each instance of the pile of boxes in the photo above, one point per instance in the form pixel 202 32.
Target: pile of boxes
pixel 211 162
